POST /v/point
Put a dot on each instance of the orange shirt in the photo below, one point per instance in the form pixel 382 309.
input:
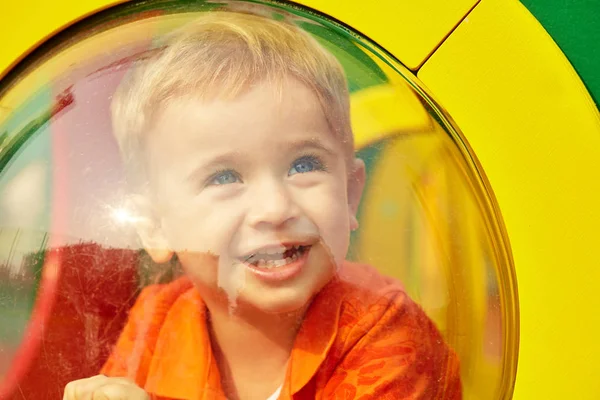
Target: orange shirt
pixel 362 338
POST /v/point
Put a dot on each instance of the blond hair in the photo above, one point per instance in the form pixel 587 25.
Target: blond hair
pixel 220 55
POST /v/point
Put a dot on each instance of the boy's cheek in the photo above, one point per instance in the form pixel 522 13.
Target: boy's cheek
pixel 199 231
pixel 202 267
pixel 335 235
pixel 337 247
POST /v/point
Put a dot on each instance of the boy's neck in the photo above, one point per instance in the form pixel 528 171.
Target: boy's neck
pixel 252 349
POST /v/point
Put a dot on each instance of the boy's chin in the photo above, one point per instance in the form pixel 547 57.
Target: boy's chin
pixel 275 303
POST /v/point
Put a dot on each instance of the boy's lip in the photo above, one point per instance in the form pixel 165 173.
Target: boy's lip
pixel 278 247
pixel 283 273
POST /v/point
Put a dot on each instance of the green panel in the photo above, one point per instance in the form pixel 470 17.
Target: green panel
pixel 575 27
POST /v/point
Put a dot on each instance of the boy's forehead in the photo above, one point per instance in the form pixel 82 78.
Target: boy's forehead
pixel 263 103
pixel 277 112
pixel 196 132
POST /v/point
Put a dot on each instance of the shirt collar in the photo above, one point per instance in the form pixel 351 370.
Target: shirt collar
pixel 183 366
pixel 315 338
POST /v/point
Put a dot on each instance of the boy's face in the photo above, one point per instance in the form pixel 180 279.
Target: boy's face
pixel 261 183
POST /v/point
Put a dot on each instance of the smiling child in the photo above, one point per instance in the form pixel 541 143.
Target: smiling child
pixel 238 145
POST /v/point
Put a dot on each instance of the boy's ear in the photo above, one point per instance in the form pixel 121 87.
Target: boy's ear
pixel 150 231
pixel 356 184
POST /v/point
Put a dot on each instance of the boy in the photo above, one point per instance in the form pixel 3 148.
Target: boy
pixel 237 139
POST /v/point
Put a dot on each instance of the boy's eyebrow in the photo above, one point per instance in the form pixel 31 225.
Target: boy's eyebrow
pixel 312 144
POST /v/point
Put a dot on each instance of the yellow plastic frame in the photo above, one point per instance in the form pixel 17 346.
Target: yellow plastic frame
pixel 529 121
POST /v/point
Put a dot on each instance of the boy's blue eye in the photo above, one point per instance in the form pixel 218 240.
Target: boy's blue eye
pixel 224 178
pixel 306 164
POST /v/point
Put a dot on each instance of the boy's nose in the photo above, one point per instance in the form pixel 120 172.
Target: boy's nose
pixel 272 205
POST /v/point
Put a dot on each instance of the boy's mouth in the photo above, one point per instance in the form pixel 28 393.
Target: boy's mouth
pixel 276 258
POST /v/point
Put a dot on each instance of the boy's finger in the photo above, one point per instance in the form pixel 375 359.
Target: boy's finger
pixel 119 391
pixel 123 380
pixel 83 389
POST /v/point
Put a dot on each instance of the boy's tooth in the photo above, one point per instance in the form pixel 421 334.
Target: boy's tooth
pixel 269 262
pixel 279 263
pixel 273 251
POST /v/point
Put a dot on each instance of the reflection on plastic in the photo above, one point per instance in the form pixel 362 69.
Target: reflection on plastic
pixel 235 205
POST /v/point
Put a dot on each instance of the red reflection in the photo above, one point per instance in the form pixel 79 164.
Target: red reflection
pixel 78 316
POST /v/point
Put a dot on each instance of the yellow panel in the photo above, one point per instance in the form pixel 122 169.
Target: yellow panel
pixel 429 221
pixel 24 25
pixel 536 133
pixel 375 115
pixel 425 22
pixel 55 66
pixel 410 30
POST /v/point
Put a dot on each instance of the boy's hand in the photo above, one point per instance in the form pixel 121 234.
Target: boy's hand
pixel 101 387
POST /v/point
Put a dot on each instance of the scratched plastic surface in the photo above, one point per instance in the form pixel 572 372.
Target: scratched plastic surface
pixel 71 262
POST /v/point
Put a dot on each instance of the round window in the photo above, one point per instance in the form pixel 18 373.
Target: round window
pixel 221 182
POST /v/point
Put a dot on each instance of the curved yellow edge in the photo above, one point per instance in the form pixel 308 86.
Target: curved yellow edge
pixel 536 132
pixel 25 25
pixel 374 113
pixel 388 22
pixel 425 22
